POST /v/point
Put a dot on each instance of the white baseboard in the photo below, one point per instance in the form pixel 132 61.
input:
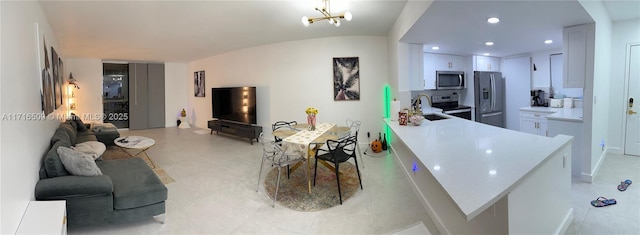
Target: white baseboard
pixel 589 177
pixel 615 150
pixel 568 219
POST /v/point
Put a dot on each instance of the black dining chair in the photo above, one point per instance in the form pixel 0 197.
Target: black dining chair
pixel 280 125
pixel 338 152
pixel 275 155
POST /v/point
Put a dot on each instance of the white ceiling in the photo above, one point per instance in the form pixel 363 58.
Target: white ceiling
pixel 191 30
pixel 182 31
pixel 461 28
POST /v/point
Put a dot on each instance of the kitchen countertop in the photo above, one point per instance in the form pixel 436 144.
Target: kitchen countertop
pixel 559 114
pixel 476 164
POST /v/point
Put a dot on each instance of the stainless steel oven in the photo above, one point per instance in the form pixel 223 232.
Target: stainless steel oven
pixel 449 105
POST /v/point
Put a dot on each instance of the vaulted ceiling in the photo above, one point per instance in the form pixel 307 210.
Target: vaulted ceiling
pixel 184 31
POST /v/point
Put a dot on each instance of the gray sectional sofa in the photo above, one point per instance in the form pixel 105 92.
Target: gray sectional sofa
pixel 127 191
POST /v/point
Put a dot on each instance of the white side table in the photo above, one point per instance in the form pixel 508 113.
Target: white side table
pixel 184 123
pixel 44 217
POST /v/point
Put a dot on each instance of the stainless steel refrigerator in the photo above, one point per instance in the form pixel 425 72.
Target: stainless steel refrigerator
pixel 489 98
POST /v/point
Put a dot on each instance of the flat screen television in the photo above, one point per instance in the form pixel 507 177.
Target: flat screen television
pixel 237 104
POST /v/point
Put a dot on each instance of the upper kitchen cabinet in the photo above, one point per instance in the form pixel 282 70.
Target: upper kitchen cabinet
pixel 416 70
pixel 449 62
pixel 486 63
pixel 578 52
pixel 439 62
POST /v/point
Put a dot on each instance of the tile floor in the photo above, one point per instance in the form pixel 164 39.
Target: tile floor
pixel 215 193
pixel 216 176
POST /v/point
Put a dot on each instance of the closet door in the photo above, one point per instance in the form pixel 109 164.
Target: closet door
pixel 155 85
pixel 138 96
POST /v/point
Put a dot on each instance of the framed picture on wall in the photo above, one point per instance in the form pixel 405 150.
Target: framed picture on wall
pixel 198 83
pixel 346 78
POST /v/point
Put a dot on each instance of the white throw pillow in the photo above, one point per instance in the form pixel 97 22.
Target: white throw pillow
pixel 94 148
pixel 78 163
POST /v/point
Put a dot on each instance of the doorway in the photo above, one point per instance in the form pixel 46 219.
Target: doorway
pixel 115 94
pixel 632 125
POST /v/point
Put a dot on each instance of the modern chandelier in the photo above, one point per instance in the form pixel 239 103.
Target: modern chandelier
pixel 326 12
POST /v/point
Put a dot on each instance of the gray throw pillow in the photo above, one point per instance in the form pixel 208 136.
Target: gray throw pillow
pixel 78 163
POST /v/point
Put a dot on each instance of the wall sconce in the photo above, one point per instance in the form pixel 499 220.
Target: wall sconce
pixel 73 82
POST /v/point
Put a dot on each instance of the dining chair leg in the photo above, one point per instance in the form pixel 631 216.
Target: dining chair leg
pixel 315 172
pixel 337 166
pixel 260 175
pixel 359 153
pixel 358 170
pixel 275 198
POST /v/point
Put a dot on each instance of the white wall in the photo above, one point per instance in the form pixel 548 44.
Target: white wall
pixel 623 32
pixel 596 91
pixel 292 76
pixel 176 80
pixel 88 73
pixel 399 52
pixel 23 142
pixel 517 74
pixel 540 77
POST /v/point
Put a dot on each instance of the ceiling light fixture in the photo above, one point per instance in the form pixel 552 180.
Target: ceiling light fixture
pixel 488 43
pixel 435 48
pixel 486 54
pixel 548 41
pixel 326 12
pixel 493 20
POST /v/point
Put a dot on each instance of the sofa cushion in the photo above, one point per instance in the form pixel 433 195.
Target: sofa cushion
pixel 73 124
pixel 61 135
pixel 78 163
pixel 134 183
pixel 85 138
pixel 73 133
pixel 93 148
pixel 52 163
pixel 80 124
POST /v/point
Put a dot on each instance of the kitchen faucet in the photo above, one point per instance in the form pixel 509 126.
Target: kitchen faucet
pixel 417 103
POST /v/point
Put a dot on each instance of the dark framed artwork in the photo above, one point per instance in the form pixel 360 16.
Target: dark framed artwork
pixel 57 78
pixel 198 83
pixel 47 95
pixel 346 78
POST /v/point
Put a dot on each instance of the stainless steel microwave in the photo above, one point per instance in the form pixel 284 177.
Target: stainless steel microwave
pixel 450 80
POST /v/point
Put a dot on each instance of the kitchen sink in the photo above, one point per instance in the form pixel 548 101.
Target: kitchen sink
pixel 434 117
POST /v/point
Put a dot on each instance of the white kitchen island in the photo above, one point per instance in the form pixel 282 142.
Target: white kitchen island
pixel 478 179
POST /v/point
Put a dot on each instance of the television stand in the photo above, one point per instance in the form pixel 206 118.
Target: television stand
pixel 235 129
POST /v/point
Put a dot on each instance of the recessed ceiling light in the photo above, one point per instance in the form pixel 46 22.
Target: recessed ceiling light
pixel 493 20
pixel 488 43
pixel 548 41
pixel 486 54
pixel 435 48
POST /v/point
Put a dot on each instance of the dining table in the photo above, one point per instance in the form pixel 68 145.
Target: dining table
pixel 299 138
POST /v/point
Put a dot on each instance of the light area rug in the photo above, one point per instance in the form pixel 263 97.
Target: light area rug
pixel 114 152
pixel 202 131
pixel 294 192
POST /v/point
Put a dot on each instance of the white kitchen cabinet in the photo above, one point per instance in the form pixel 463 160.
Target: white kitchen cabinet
pixel 534 122
pixel 416 70
pixel 450 62
pixel 486 63
pixel 439 62
pixel 578 51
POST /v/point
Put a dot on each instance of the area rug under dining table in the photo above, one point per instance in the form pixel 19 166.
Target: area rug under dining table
pixel 293 192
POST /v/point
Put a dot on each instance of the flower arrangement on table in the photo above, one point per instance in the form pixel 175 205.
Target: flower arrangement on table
pixel 311 117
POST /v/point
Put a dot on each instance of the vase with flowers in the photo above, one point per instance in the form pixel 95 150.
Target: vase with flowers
pixel 311 117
